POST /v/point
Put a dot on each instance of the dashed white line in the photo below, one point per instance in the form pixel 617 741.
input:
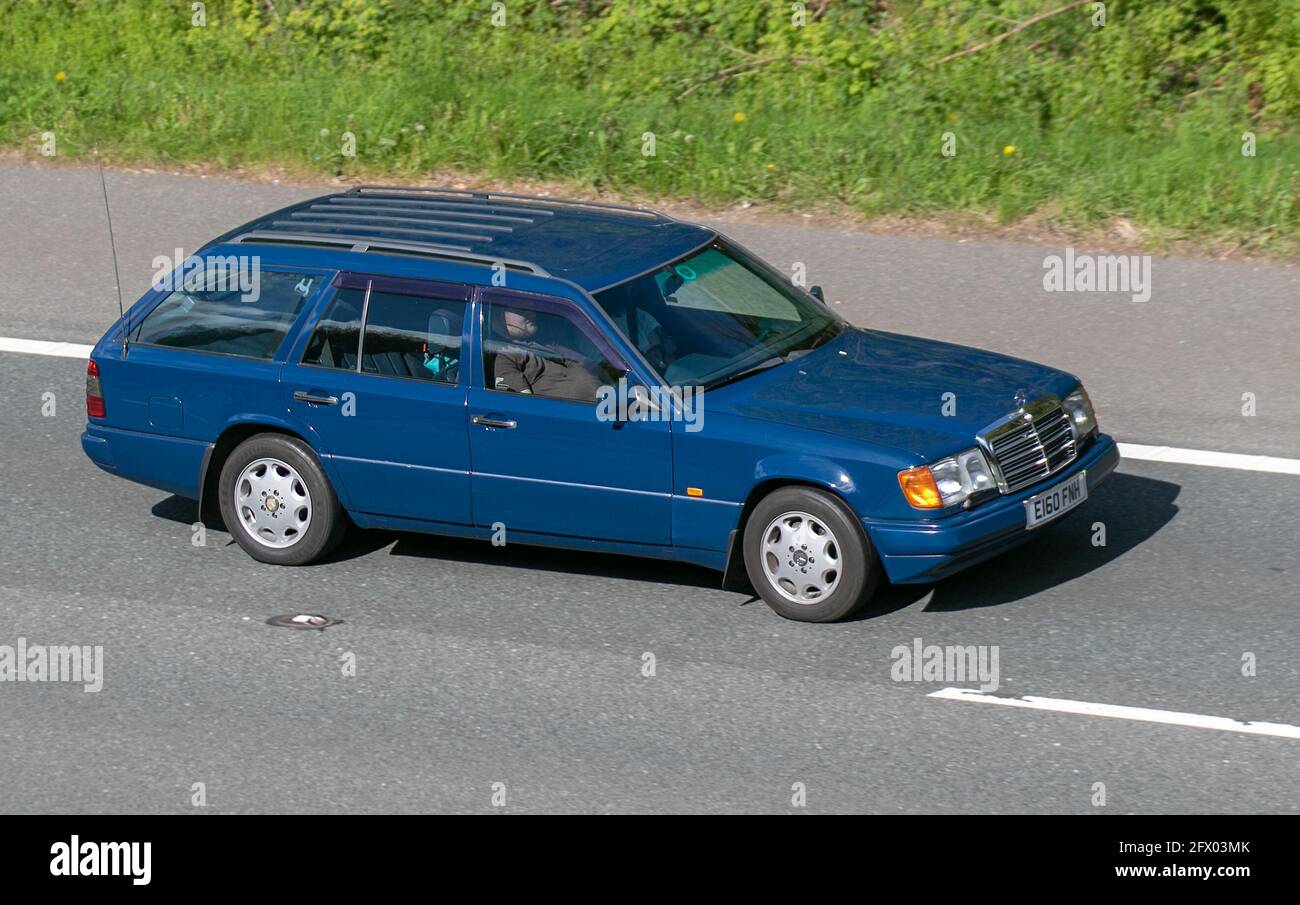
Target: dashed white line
pixel 44 347
pixel 1118 712
pixel 1238 461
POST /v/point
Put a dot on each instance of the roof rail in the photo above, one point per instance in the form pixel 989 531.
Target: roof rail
pixel 380 245
pixel 508 197
pixel 338 217
pixel 353 227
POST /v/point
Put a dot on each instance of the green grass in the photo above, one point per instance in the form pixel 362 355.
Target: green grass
pixel 1141 119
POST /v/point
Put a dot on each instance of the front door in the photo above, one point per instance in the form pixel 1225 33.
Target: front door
pixel 543 460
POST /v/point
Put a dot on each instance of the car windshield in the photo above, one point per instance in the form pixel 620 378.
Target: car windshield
pixel 715 315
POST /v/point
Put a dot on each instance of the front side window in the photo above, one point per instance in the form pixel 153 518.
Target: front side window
pixel 543 350
pixel 714 314
pixel 213 315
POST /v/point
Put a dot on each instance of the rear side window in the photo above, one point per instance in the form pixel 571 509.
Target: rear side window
pixel 211 315
pixel 336 338
pixel 411 336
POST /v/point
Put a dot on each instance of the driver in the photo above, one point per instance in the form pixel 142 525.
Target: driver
pixel 526 365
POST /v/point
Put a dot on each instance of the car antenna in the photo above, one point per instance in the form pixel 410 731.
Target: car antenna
pixel 121 313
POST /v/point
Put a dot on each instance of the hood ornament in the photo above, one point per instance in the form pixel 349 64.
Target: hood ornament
pixel 1019 398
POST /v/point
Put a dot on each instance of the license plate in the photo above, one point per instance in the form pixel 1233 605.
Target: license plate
pixel 1056 501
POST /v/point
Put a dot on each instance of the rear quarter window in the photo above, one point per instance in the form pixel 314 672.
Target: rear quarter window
pixel 228 320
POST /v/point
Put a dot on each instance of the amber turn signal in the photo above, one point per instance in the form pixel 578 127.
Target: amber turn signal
pixel 919 488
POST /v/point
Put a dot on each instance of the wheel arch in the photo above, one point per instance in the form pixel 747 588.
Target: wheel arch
pixel 215 458
pixel 733 575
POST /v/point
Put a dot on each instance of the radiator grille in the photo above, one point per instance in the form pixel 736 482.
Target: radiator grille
pixel 1032 448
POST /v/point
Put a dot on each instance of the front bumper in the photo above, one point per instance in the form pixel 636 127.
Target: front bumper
pixel 920 551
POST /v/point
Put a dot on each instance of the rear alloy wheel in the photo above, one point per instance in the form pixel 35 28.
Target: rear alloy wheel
pixel 807 557
pixel 273 503
pixel 277 502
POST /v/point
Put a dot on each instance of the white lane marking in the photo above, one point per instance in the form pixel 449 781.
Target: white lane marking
pixel 1173 454
pixel 1115 711
pixel 1239 461
pixel 43 347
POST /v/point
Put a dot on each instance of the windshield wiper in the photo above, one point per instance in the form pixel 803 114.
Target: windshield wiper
pixel 829 331
pixel 765 365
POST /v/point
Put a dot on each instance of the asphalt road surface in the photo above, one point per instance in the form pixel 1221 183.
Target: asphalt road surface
pixel 478 665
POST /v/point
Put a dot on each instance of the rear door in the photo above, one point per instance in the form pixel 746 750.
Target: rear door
pixel 379 378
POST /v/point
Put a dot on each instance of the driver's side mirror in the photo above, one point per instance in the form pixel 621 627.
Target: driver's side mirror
pixel 816 292
pixel 638 405
pixel 641 396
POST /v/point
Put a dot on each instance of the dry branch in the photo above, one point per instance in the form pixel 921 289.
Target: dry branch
pixel 1006 34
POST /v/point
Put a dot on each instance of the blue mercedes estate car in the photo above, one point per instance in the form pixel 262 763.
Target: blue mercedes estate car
pixel 576 375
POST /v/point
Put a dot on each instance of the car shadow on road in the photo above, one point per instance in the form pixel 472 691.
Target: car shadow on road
pixel 547 559
pixel 358 543
pixel 551 559
pixel 1131 509
pixel 185 511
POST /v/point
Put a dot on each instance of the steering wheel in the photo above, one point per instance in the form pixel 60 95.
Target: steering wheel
pixel 657 356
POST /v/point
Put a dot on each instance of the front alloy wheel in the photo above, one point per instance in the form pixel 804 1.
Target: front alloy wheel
pixel 801 557
pixel 807 556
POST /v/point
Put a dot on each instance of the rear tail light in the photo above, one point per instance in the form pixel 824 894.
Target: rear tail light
pixel 94 392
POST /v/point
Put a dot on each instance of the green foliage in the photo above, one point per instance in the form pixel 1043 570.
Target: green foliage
pixel 843 101
pixel 326 29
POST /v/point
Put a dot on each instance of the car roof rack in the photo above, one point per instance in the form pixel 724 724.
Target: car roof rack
pixel 440 223
pixel 382 245
pixel 508 201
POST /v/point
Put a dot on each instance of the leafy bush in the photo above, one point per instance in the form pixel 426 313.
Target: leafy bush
pixel 843 101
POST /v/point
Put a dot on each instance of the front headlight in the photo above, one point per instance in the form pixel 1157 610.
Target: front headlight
pixel 947 482
pixel 1082 418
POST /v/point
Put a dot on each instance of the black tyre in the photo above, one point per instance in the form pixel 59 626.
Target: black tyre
pixel 278 503
pixel 808 557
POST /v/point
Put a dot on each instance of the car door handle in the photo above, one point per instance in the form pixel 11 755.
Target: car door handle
pixel 507 424
pixel 304 396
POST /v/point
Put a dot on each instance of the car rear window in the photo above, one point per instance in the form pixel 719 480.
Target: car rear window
pixel 229 320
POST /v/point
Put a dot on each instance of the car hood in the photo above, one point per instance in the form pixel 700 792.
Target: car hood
pixel 890 389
